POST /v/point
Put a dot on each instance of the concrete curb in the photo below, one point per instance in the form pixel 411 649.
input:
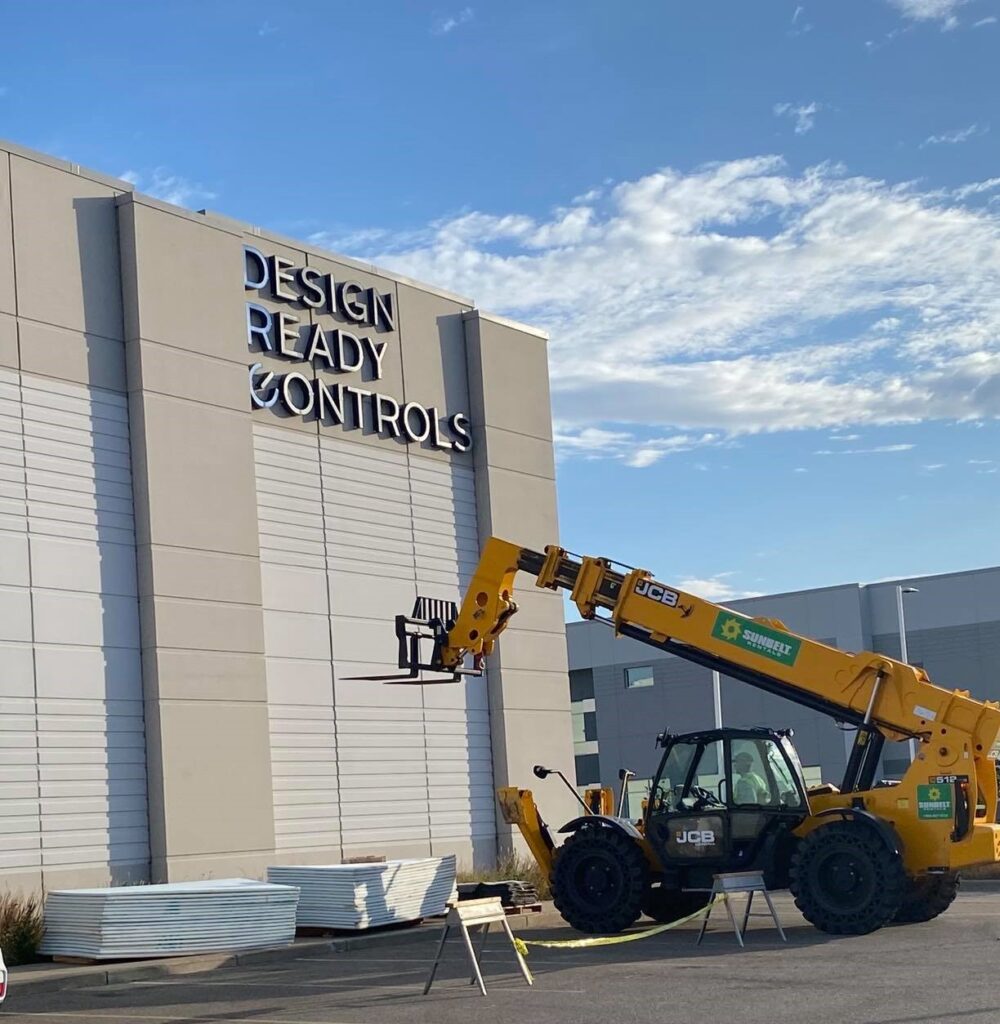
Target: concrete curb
pixel 51 977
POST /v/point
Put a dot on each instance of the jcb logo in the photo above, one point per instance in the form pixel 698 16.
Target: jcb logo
pixel 657 592
pixel 696 837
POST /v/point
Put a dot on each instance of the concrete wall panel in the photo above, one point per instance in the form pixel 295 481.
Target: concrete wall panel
pixel 72 355
pixel 7 295
pixel 8 341
pixel 66 249
pixel 184 281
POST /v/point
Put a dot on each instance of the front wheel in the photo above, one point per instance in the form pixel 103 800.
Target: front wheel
pixel 599 879
pixel 845 880
pixel 926 897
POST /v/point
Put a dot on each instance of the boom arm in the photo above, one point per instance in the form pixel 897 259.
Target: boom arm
pixel 876 693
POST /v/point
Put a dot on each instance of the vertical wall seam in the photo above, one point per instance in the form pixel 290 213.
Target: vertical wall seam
pixel 407 455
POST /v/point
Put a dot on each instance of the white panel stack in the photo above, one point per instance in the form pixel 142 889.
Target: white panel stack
pixel 169 920
pixel 359 896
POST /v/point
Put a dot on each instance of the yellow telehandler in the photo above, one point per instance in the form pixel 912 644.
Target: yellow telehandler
pixel 855 856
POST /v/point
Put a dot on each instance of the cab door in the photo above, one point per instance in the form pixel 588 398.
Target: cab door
pixel 765 796
pixel 687 821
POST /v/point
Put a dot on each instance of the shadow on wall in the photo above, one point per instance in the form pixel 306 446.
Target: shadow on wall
pixel 125 774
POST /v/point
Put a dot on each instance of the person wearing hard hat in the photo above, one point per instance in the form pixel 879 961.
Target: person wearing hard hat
pixel 750 788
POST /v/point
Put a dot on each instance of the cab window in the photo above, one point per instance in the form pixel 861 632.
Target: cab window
pixel 761 776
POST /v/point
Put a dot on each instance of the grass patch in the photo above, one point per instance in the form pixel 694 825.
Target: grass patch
pixel 21 928
pixel 511 866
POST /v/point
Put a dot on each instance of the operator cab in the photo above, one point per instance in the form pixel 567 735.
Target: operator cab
pixel 725 800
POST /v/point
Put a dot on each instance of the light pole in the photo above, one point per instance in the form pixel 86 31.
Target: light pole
pixel 900 591
pixel 717 699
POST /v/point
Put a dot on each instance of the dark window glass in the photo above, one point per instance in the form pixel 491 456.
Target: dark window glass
pixel 588 770
pixel 581 684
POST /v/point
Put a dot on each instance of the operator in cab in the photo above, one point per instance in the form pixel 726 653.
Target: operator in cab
pixel 750 788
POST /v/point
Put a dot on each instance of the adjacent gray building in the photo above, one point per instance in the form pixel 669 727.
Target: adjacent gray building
pixel 227 460
pixel 624 693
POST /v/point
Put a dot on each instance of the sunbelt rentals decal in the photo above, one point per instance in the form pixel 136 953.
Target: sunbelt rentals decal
pixel 752 636
pixel 934 801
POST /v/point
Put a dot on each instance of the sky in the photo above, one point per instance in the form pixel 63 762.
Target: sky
pixel 764 237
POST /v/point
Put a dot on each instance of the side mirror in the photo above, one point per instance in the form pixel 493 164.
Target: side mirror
pixel 540 772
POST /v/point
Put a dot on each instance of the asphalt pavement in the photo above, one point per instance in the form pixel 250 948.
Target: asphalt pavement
pixel 936 973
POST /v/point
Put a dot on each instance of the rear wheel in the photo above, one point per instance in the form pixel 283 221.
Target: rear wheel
pixel 599 879
pixel 669 905
pixel 845 879
pixel 926 897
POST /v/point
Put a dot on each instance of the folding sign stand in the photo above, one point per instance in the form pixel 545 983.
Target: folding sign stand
pixel 471 914
pixel 740 881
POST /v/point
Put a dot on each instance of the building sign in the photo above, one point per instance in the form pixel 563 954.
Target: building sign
pixel 352 348
pixel 753 636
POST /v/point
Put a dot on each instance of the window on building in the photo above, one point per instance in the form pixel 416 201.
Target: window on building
pixel 581 684
pixel 584 726
pixel 812 775
pixel 895 768
pixel 588 770
pixel 641 675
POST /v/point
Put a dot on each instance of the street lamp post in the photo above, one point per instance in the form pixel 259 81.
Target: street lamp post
pixel 900 591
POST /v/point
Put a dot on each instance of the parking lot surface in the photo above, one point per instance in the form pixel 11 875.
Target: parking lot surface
pixel 942 971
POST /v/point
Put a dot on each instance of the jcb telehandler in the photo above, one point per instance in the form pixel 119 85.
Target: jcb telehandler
pixel 855 856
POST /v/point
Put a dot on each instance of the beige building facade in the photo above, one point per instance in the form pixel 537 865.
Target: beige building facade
pixel 227 460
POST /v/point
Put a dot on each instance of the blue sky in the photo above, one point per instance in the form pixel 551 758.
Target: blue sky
pixel 764 237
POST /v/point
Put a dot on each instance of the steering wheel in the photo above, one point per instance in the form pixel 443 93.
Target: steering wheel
pixel 703 798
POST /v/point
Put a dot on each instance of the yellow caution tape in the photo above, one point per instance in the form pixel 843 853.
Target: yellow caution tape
pixel 612 940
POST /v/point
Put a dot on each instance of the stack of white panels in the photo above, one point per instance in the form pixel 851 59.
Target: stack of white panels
pixel 169 920
pixel 360 896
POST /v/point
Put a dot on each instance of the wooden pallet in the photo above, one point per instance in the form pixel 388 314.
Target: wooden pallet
pixel 527 908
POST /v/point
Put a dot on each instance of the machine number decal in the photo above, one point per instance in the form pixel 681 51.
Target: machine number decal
pixel 934 802
pixel 946 780
pixel 696 837
pixel 760 639
pixel 657 592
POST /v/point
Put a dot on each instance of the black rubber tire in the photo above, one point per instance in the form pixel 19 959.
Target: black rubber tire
pixel 927 897
pixel 669 905
pixel 598 880
pixel 846 880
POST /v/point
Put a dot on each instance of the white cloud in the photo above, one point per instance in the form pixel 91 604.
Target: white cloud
pixel 929 10
pixel 877 450
pixel 169 187
pixel 800 469
pixel 803 114
pixel 845 437
pixel 450 22
pixel 3 91
pixel 598 443
pixel 714 588
pixel 799 25
pixel 931 467
pixel 267 29
pixel 735 298
pixel 955 136
pixel 984 21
